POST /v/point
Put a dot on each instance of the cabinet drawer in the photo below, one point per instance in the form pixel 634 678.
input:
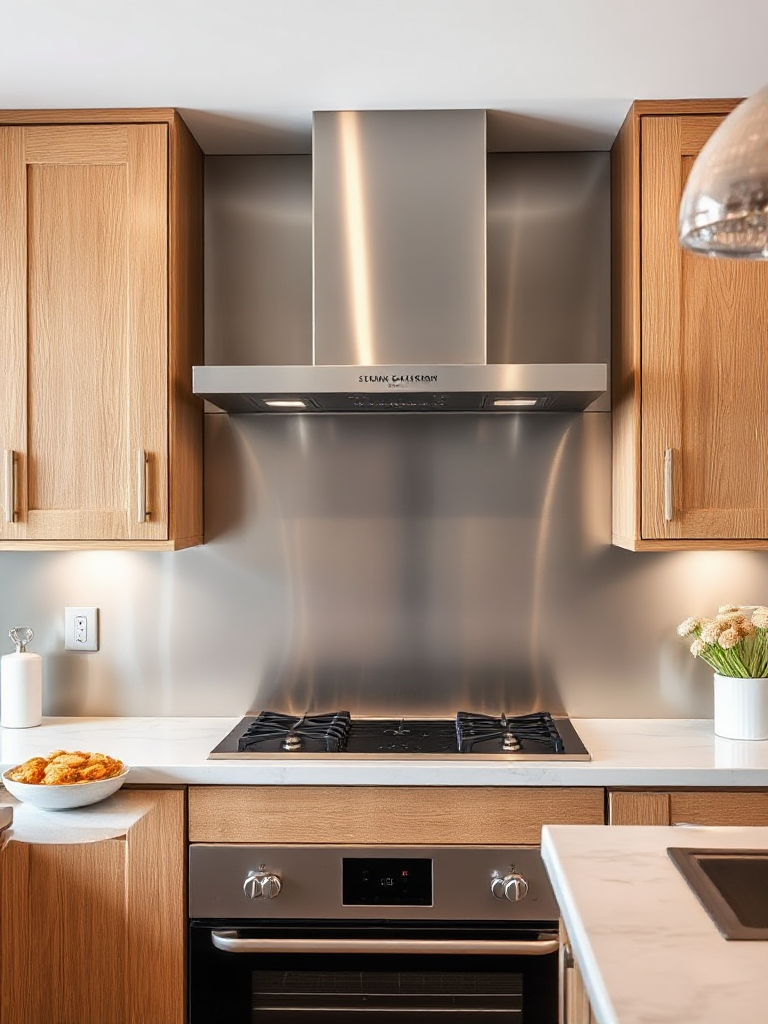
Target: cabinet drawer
pixel 695 807
pixel 395 815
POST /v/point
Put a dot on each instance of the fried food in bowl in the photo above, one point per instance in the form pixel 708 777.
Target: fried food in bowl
pixel 65 779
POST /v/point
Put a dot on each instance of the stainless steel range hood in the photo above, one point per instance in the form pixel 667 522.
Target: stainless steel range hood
pixel 399 267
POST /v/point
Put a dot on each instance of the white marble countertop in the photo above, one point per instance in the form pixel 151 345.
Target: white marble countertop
pixel 625 752
pixel 109 819
pixel 648 951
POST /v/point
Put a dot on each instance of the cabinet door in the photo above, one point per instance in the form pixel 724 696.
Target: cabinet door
pixel 93 932
pixel 574 1007
pixel 83 331
pixel 704 362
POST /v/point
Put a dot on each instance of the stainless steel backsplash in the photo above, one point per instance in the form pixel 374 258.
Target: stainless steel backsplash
pixel 400 563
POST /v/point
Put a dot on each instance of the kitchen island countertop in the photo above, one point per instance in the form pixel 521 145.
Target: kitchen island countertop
pixel 646 948
pixel 625 752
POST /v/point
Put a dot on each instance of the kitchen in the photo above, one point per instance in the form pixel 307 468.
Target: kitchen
pixel 477 591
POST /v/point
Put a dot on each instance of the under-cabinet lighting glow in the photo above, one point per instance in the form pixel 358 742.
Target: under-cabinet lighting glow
pixel 287 403
pixel 504 403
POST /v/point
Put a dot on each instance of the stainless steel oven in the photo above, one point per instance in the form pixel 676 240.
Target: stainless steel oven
pixel 362 934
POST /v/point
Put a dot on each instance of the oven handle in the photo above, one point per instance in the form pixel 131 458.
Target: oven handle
pixel 231 942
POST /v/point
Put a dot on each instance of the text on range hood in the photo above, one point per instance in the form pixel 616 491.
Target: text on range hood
pixel 399 283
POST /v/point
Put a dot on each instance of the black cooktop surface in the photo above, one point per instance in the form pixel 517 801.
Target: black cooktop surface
pixel 535 736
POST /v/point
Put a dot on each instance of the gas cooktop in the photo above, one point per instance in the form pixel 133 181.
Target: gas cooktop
pixel 271 734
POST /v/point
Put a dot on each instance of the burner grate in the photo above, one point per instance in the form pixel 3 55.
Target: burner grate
pixel 272 730
pixel 535 732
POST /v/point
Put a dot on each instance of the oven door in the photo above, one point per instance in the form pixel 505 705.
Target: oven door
pixel 309 971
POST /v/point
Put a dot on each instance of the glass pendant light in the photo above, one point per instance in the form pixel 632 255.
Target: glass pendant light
pixel 724 210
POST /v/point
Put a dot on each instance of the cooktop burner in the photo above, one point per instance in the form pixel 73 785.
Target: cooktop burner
pixel 536 736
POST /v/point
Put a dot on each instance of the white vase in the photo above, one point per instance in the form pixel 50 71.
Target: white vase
pixel 741 708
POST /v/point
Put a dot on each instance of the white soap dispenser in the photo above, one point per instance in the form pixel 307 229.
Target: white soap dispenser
pixel 21 684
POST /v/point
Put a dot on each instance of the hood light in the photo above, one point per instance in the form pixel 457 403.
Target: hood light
pixel 286 403
pixel 513 403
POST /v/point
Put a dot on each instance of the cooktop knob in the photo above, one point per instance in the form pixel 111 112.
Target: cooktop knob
pixel 512 887
pixel 262 885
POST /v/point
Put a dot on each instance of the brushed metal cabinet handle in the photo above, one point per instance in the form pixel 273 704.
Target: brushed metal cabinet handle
pixel 141 486
pixel 669 501
pixel 9 464
pixel 231 942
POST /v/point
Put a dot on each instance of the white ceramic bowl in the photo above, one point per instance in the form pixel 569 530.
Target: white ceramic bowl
pixel 61 798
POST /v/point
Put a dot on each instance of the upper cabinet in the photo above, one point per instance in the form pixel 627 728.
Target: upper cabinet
pixel 100 323
pixel 690 359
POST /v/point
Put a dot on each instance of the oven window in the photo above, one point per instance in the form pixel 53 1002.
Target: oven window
pixel 356 986
pixel 378 995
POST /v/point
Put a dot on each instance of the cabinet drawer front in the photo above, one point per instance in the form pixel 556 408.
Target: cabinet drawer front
pixel 693 807
pixel 719 808
pixel 395 815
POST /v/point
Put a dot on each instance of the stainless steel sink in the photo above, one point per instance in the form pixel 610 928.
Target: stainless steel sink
pixel 732 886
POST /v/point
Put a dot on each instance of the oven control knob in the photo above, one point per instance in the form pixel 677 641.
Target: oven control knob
pixel 512 887
pixel 262 885
pixel 271 885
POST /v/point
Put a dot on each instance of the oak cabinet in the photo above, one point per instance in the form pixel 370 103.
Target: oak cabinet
pixel 95 931
pixel 574 1005
pixel 100 266
pixel 692 807
pixel 690 356
pixel 387 815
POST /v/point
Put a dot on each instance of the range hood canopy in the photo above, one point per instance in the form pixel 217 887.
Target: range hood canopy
pixel 399 279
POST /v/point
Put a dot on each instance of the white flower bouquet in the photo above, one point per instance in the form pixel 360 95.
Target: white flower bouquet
pixel 734 642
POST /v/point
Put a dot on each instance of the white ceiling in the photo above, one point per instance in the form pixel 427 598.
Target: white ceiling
pixel 247 74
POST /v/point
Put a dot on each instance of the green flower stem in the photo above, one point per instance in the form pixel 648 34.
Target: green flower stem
pixel 746 659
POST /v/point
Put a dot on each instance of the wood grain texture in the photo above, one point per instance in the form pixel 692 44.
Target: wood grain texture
pixel 704 364
pixel 635 808
pixel 728 544
pixel 108 217
pixel 625 301
pixel 185 326
pixel 674 108
pixel 156 914
pixel 575 1007
pixel 695 132
pixel 13 318
pixel 719 807
pixel 697 350
pixel 146 398
pixel 89 115
pixel 62 907
pixel 661 310
pixel 94 932
pixel 695 807
pixel 71 145
pixel 391 815
pixel 98 545
pixel 76 347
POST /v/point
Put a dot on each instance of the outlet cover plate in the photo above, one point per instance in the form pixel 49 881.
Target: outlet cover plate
pixel 81 629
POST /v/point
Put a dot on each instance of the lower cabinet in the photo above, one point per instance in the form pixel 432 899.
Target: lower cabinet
pixel 392 815
pixel 94 932
pixel 690 807
pixel 575 1007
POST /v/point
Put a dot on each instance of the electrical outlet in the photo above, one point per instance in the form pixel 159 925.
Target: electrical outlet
pixel 81 629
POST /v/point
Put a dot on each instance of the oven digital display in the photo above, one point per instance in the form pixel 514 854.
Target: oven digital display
pixel 374 882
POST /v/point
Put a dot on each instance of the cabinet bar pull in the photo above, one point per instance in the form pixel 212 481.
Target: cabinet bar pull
pixel 230 942
pixel 141 486
pixel 10 485
pixel 669 505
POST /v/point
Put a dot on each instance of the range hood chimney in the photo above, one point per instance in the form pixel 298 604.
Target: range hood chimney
pixel 399 265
